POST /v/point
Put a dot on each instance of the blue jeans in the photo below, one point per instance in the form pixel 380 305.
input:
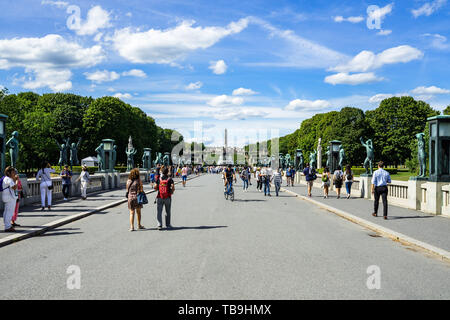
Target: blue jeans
pixel 245 183
pixel 266 187
pixel 229 186
pixel 277 187
pixel 348 187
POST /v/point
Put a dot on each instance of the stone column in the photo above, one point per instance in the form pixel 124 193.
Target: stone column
pixel 433 201
pixel 365 186
pixel 415 193
pixel 319 154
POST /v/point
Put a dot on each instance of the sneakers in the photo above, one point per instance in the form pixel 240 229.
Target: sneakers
pixel 159 228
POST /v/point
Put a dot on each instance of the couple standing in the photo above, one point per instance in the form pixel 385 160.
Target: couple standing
pixel 165 187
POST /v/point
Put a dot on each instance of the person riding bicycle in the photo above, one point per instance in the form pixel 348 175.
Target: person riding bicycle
pixel 229 175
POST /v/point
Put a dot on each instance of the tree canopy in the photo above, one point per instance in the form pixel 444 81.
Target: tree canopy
pixel 40 119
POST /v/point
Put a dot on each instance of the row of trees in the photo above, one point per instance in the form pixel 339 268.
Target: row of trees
pixel 42 118
pixel 392 127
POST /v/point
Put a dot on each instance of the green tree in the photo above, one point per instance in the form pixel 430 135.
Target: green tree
pixel 447 111
pixel 395 123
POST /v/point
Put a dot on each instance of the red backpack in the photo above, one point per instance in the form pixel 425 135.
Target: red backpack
pixel 164 188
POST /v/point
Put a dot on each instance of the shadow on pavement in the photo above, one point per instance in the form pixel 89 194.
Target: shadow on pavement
pixel 185 228
pixel 249 200
pixel 412 217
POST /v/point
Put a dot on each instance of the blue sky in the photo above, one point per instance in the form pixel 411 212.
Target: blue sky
pixel 249 66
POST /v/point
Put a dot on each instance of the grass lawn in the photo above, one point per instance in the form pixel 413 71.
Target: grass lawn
pixel 402 175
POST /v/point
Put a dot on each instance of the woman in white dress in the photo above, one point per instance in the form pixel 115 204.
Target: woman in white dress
pixel 9 197
pixel 44 176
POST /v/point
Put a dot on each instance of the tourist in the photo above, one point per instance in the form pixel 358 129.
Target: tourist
pixel 184 174
pixel 152 178
pixel 245 177
pixel 277 180
pixel 134 187
pixel 258 179
pixel 166 188
pixel 292 170
pixel 85 179
pixel 310 176
pixel 348 180
pixel 46 186
pixel 9 197
pixel 338 177
pixel 380 180
pixel 267 179
pixel 19 196
pixel 66 176
pixel 326 182
pixel 288 176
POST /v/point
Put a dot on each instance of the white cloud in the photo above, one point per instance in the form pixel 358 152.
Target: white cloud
pixel 129 14
pixel 380 97
pixel 111 89
pixel 122 95
pixel 134 73
pixel 380 14
pixel 170 45
pixel 59 4
pixel 243 92
pixel 438 41
pixel 49 59
pixel 430 90
pixel 225 101
pixel 238 114
pixel 340 19
pixel 97 19
pixel 102 76
pixel 298 104
pixel 384 32
pixel 367 60
pixel 194 85
pixel 352 79
pixel 428 8
pixel 218 67
pixel 298 51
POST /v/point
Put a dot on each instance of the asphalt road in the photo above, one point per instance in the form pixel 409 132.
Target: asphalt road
pixel 254 248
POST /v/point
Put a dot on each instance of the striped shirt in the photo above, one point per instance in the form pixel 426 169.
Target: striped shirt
pixel 277 177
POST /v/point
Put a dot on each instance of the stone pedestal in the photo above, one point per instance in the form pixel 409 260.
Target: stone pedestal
pixel 24 181
pixel 415 192
pixel 365 186
pixel 105 181
pixel 432 197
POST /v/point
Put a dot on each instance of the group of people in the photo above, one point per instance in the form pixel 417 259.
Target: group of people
pixel 163 183
pixel 339 178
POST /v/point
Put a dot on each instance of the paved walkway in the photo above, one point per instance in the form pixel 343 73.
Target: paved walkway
pixel 434 230
pixel 31 218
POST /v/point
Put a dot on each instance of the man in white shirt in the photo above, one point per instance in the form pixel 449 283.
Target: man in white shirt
pixel 9 197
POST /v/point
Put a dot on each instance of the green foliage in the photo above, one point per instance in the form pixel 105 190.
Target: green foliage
pixel 41 119
pixel 395 123
pixel 447 111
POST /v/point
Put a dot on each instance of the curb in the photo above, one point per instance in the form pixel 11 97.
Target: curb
pixel 388 233
pixel 66 220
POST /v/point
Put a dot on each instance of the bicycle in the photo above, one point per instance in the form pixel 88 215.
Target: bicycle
pixel 229 192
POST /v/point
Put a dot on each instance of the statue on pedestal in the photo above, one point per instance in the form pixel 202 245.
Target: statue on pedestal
pixel 74 154
pixel 131 152
pixel 341 156
pixel 299 160
pixel 63 152
pixel 287 160
pixel 158 159
pixel 421 154
pixel 328 157
pixel 319 154
pixel 13 145
pixel 313 160
pixel 370 155
pixel 101 157
pixel 166 160
pixel 114 156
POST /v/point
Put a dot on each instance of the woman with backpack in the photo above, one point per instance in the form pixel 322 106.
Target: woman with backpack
pixel 310 175
pixel 348 180
pixel 338 177
pixel 134 187
pixel 326 178
pixel 46 187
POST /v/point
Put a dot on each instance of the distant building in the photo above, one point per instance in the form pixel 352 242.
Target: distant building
pixel 90 162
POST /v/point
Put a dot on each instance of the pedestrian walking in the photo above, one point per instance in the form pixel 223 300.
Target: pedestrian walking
pixel 134 187
pixel 166 188
pixel 258 179
pixel 310 176
pixel 66 176
pixel 380 181
pixel 9 196
pixel 338 178
pixel 326 182
pixel 277 180
pixel 184 174
pixel 46 186
pixel 266 173
pixel 85 180
pixel 19 196
pixel 292 170
pixel 288 177
pixel 348 180
pixel 245 174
